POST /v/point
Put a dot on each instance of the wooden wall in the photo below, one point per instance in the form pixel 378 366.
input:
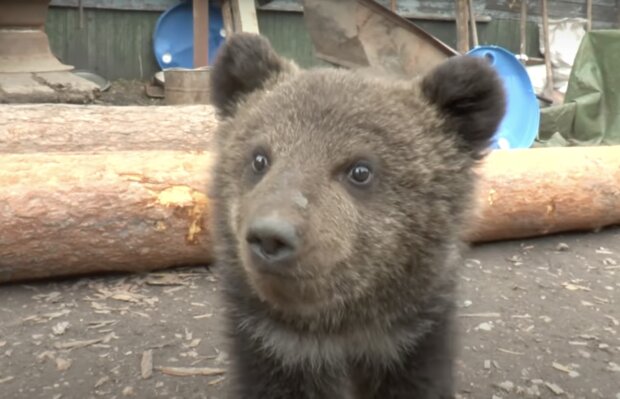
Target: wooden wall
pixel 115 39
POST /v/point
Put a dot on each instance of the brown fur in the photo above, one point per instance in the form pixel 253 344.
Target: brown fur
pixel 365 308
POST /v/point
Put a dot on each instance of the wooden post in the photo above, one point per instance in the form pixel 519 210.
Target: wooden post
pixel 244 14
pixel 523 28
pixel 393 5
pixel 472 22
pixel 462 32
pixel 201 33
pixel 589 15
pixel 229 25
pixel 545 19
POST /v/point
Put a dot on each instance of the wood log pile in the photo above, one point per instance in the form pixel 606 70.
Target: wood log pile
pixel 88 189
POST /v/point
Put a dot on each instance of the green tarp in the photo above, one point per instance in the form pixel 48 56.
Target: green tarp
pixel 590 114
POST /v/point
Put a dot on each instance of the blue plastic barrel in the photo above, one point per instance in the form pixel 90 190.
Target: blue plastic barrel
pixel 519 127
pixel 173 39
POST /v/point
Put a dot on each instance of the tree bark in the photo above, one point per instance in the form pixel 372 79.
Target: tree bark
pixel 64 214
pixel 533 192
pixel 65 128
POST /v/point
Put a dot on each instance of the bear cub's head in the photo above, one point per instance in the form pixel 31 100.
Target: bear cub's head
pixel 333 186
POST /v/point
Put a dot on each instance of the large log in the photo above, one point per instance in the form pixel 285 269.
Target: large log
pixel 120 210
pixel 53 128
pixel 539 191
pixel 65 214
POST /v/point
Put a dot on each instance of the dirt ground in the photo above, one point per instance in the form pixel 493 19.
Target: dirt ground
pixel 538 318
pixel 127 92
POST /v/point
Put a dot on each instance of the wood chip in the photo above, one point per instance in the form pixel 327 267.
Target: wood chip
pixel 203 316
pixel 6 379
pixel 510 352
pixel 101 324
pixel 572 373
pixel 165 279
pixel 102 381
pixel 2 343
pixel 146 365
pixel 189 371
pixel 613 367
pixel 489 315
pixel 63 364
pixel 613 320
pixel 216 380
pixel 575 287
pixel 47 316
pixel 83 343
pixel 556 389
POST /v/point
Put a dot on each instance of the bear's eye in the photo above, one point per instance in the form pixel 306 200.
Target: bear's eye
pixel 360 174
pixel 260 163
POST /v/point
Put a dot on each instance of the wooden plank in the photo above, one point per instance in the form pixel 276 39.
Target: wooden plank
pixel 244 14
pixel 200 13
pixel 523 28
pixel 227 18
pixel 462 31
pixel 472 21
pixel 548 92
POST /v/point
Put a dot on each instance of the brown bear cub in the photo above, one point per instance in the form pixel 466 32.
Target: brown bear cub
pixel 338 199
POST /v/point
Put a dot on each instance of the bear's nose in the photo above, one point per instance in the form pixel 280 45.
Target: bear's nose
pixel 272 240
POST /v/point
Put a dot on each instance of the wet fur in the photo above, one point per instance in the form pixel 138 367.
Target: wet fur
pixel 368 312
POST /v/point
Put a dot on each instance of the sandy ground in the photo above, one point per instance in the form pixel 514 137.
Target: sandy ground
pixel 539 318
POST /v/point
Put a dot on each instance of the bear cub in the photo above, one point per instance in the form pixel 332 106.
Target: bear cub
pixel 338 198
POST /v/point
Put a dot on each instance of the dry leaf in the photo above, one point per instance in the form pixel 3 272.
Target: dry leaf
pixel 146 365
pixel 63 364
pixel 102 381
pixel 189 371
pixel 60 328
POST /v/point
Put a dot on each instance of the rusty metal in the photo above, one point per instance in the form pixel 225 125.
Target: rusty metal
pixel 362 33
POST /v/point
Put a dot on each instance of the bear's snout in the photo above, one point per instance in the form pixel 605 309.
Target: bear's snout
pixel 273 244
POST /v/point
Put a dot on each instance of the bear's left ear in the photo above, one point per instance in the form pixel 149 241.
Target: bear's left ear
pixel 470 94
pixel 245 63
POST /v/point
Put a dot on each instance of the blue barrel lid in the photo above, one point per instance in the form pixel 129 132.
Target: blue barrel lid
pixel 173 39
pixel 519 128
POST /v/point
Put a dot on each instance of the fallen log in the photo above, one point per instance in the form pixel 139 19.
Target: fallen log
pixel 66 128
pixel 65 214
pixel 84 212
pixel 539 191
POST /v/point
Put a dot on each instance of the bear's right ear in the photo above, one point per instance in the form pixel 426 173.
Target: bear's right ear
pixel 470 95
pixel 245 63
